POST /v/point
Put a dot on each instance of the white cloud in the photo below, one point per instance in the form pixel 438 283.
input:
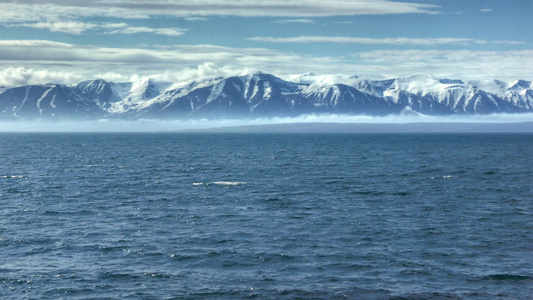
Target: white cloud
pixel 45 61
pixel 374 41
pixel 33 43
pixel 76 28
pixel 89 61
pixel 205 70
pixel 294 21
pixel 72 27
pixel 17 76
pixel 486 10
pixel 61 10
pixel 192 19
pixel 161 31
pixel 457 64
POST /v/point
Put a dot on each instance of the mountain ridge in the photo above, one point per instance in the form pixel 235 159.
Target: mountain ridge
pixel 260 94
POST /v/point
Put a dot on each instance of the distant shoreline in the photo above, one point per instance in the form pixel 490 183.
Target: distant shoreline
pixel 282 127
pixel 415 127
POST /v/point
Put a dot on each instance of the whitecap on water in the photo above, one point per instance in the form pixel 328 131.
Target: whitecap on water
pixel 443 177
pixel 229 182
pixel 12 176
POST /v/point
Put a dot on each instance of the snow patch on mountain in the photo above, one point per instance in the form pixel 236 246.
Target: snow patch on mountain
pixel 258 94
pixel 323 79
pixel 517 92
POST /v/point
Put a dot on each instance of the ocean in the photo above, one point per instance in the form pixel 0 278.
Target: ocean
pixel 266 216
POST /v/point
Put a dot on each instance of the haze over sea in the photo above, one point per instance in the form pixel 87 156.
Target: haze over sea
pixel 266 215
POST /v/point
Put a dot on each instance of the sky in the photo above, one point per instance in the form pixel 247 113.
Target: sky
pixel 67 41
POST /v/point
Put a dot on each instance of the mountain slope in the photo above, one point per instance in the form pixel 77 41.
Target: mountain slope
pixel 429 95
pixel 254 95
pixel 52 101
pixel 343 99
pixel 264 95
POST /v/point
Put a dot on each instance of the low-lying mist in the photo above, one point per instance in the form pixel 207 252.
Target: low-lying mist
pixel 519 122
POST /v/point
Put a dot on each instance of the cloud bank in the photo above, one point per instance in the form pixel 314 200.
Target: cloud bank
pixel 498 122
pixel 455 64
pixel 48 61
pixel 61 61
pixel 383 41
pixel 77 28
pixel 307 21
pixel 57 10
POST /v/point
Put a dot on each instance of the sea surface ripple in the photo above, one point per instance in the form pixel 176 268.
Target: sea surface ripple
pixel 191 215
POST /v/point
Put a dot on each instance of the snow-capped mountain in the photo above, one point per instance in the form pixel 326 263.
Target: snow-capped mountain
pixel 51 101
pixel 102 92
pixel 519 92
pixel 118 98
pixel 265 95
pixel 344 99
pixel 239 96
pixel 429 95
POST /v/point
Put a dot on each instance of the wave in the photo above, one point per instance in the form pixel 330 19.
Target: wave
pixel 12 176
pixel 229 182
pixel 507 277
pixel 226 183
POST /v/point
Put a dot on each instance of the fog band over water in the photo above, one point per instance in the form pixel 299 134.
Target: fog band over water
pixel 144 125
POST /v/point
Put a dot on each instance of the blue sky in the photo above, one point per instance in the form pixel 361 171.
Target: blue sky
pixel 68 41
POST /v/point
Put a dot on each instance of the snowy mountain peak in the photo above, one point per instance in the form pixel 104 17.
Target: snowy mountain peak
pixel 417 79
pixel 521 84
pixel 419 76
pixel 261 94
pixel 47 102
pixel 143 90
pixel 423 84
pixel 326 79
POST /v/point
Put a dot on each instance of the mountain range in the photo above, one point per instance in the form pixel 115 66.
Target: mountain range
pixel 261 95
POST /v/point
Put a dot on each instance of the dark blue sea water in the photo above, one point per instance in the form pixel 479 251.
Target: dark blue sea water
pixel 358 216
